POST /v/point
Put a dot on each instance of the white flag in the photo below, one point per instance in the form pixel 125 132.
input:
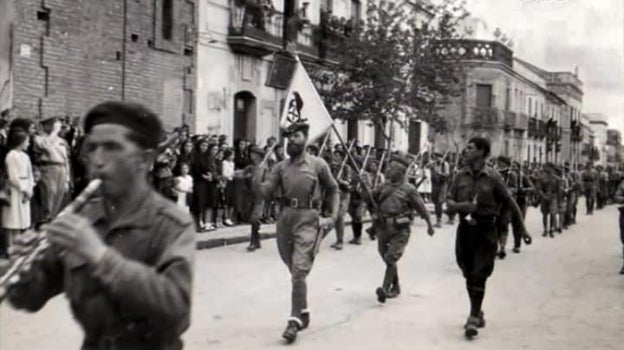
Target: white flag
pixel 313 111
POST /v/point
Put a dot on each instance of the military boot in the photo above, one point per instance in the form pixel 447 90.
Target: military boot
pixel 305 319
pixel 290 333
pixel 382 295
pixel 471 327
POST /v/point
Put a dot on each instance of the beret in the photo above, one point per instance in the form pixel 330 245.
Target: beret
pixel 295 127
pixel 144 123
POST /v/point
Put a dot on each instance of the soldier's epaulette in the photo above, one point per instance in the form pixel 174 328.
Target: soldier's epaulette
pixel 172 212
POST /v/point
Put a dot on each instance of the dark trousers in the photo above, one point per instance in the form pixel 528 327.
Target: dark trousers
pixel 438 196
pixel 391 245
pixel 475 251
pixel 590 198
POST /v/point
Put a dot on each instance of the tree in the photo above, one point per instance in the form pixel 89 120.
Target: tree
pixel 386 70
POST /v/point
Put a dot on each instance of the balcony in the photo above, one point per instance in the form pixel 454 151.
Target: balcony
pixel 485 118
pixel 475 50
pixel 247 35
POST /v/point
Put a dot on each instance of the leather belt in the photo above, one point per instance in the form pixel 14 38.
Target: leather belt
pixel 295 203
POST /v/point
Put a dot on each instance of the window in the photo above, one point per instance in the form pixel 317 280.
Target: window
pixel 327 5
pixel 530 110
pixel 356 11
pixel 484 95
pixel 507 98
pixel 167 19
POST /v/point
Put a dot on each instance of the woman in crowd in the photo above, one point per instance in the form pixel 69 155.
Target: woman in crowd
pixel 16 216
pixel 201 176
pixel 227 175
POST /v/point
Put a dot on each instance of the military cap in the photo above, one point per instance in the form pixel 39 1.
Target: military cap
pixel 401 160
pixel 504 160
pixel 295 127
pixel 145 125
pixel 253 149
pixel 313 147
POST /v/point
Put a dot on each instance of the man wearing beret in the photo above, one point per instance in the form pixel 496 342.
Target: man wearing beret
pixel 302 180
pixel 477 193
pixel 125 259
pixel 549 189
pixel 396 200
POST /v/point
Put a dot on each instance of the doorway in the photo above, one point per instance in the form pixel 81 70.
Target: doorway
pixel 244 116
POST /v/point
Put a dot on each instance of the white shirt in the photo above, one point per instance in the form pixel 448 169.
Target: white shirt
pixel 227 170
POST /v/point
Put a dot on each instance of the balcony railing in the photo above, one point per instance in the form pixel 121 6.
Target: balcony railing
pixel 485 118
pixel 248 35
pixel 481 50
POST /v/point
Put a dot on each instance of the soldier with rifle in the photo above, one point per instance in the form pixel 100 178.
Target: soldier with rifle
pixel 396 201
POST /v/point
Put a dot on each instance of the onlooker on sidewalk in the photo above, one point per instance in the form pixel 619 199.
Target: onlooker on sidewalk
pixel 20 183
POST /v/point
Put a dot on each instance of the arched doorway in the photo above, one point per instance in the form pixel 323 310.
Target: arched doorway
pixel 244 115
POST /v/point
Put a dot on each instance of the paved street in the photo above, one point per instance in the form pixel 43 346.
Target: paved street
pixel 561 293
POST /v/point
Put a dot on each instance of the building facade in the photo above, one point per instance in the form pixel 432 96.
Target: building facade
pixel 59 58
pixel 599 125
pixel 515 104
pixel 234 60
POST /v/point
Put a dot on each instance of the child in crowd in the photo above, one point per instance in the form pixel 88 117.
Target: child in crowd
pixel 183 186
pixel 227 174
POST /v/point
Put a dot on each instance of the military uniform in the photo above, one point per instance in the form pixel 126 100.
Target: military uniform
pixel 302 181
pixel 549 188
pixel 393 218
pixel 603 189
pixel 357 208
pixel 511 181
pixel 139 295
pixel 477 234
pixel 258 204
pixel 440 174
pixel 590 188
pixel 344 180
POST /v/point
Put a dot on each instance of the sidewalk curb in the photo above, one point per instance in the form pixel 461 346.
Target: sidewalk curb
pixel 242 238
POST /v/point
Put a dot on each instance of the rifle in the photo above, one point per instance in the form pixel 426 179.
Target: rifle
pixel 358 187
pixel 378 173
pixel 344 161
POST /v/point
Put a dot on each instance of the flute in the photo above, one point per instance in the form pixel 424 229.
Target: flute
pixel 11 276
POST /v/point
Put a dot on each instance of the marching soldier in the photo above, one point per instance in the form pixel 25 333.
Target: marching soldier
pixel 510 179
pixel 478 193
pixel 257 207
pixel 342 175
pixel 603 187
pixel 590 187
pixel 396 200
pixel 577 190
pixel 302 179
pixel 549 190
pixel 524 190
pixel 440 174
pixel 357 205
pixel 125 259
pixel 562 198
